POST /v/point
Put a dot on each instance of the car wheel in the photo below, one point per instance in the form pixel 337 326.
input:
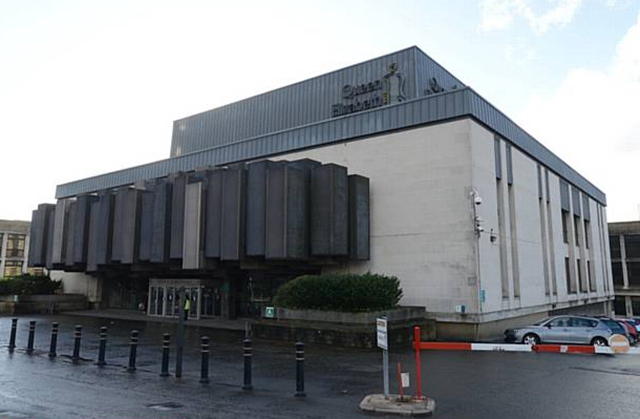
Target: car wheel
pixel 599 342
pixel 530 339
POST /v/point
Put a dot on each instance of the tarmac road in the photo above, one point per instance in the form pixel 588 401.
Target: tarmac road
pixel 463 384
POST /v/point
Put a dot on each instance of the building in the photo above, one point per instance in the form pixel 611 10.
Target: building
pixel 14 242
pixel 392 166
pixel 624 239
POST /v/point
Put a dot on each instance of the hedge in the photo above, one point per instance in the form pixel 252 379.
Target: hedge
pixel 340 292
pixel 29 285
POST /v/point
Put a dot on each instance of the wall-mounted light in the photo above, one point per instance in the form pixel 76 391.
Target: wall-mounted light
pixel 492 236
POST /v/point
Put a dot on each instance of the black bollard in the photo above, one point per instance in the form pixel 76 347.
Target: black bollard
pixel 132 351
pixel 32 333
pixel 54 340
pixel 103 347
pixel 12 338
pixel 204 366
pixel 166 340
pixel 77 336
pixel 300 370
pixel 247 364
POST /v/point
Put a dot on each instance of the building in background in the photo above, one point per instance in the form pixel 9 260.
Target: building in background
pixel 14 242
pixel 624 238
pixel 392 166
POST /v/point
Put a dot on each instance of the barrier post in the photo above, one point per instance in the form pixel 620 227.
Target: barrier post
pixel 166 340
pixel 32 333
pixel 248 354
pixel 54 339
pixel 76 343
pixel 132 351
pixel 416 346
pixel 103 347
pixel 300 370
pixel 12 337
pixel 204 365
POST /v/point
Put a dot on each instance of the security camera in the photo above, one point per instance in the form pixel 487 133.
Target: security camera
pixel 477 200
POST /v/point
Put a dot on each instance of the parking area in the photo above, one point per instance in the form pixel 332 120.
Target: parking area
pixel 464 384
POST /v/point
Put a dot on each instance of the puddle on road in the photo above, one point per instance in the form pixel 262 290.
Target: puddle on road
pixel 8 414
pixel 165 406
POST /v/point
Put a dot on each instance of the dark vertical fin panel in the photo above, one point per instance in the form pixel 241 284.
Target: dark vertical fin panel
pixel 163 193
pixel 276 213
pixel 213 214
pixel 233 194
pixel 359 235
pixel 177 215
pixel 329 211
pixel 146 225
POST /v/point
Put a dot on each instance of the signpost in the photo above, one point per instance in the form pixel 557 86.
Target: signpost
pixel 381 332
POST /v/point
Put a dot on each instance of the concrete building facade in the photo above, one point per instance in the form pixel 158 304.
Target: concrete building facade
pixel 14 245
pixel 624 240
pixel 392 166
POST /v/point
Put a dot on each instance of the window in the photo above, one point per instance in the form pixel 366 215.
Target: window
pixel 579 271
pixel 565 226
pixel 15 245
pixel 576 229
pixel 560 322
pixel 587 227
pixel 12 268
pixel 567 273
pixel 614 245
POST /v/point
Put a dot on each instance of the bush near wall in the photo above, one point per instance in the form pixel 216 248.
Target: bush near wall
pixel 340 292
pixel 29 285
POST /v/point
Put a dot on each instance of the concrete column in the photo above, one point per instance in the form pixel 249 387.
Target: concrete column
pixel 227 300
pixel 623 260
pixel 25 261
pixel 3 252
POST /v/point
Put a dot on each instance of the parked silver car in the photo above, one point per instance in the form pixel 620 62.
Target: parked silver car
pixel 563 329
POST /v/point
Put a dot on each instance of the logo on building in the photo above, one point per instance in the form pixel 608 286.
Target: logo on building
pixel 360 97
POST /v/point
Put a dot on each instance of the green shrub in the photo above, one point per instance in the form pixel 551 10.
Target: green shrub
pixel 29 285
pixel 340 292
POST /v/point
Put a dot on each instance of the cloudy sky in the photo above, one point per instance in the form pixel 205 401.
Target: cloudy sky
pixel 88 87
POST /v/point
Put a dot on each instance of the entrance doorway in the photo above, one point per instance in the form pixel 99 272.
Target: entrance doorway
pixel 164 297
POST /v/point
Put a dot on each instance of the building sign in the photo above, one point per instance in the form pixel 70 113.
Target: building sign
pixel 372 94
pixel 381 332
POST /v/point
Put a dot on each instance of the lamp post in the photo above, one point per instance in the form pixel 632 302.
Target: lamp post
pixel 476 201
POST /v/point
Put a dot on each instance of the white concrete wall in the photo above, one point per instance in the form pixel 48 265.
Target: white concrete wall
pixel 421 213
pixel 422 228
pixel 80 283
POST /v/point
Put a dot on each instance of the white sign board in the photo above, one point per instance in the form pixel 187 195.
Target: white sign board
pixel 381 328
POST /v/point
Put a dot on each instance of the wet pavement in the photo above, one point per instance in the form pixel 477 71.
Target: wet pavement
pixel 464 384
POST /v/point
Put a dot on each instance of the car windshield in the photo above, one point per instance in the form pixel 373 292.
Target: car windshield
pixel 541 322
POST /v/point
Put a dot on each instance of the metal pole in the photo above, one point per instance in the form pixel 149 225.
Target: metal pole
pixel 248 354
pixel 76 344
pixel 54 340
pixel 166 340
pixel 204 366
pixel 32 333
pixel 132 351
pixel 103 347
pixel 300 370
pixel 416 346
pixel 12 337
pixel 180 340
pixel 385 371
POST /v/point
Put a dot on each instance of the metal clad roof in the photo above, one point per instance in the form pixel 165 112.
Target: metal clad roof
pixel 265 125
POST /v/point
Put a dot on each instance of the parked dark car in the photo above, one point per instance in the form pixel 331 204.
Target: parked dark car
pixel 631 329
pixel 565 329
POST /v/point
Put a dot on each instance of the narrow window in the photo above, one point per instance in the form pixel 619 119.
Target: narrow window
pixel 565 226
pixel 587 226
pixel 567 273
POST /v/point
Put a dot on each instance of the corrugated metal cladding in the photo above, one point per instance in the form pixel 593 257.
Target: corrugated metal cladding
pixel 267 125
pixel 303 103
